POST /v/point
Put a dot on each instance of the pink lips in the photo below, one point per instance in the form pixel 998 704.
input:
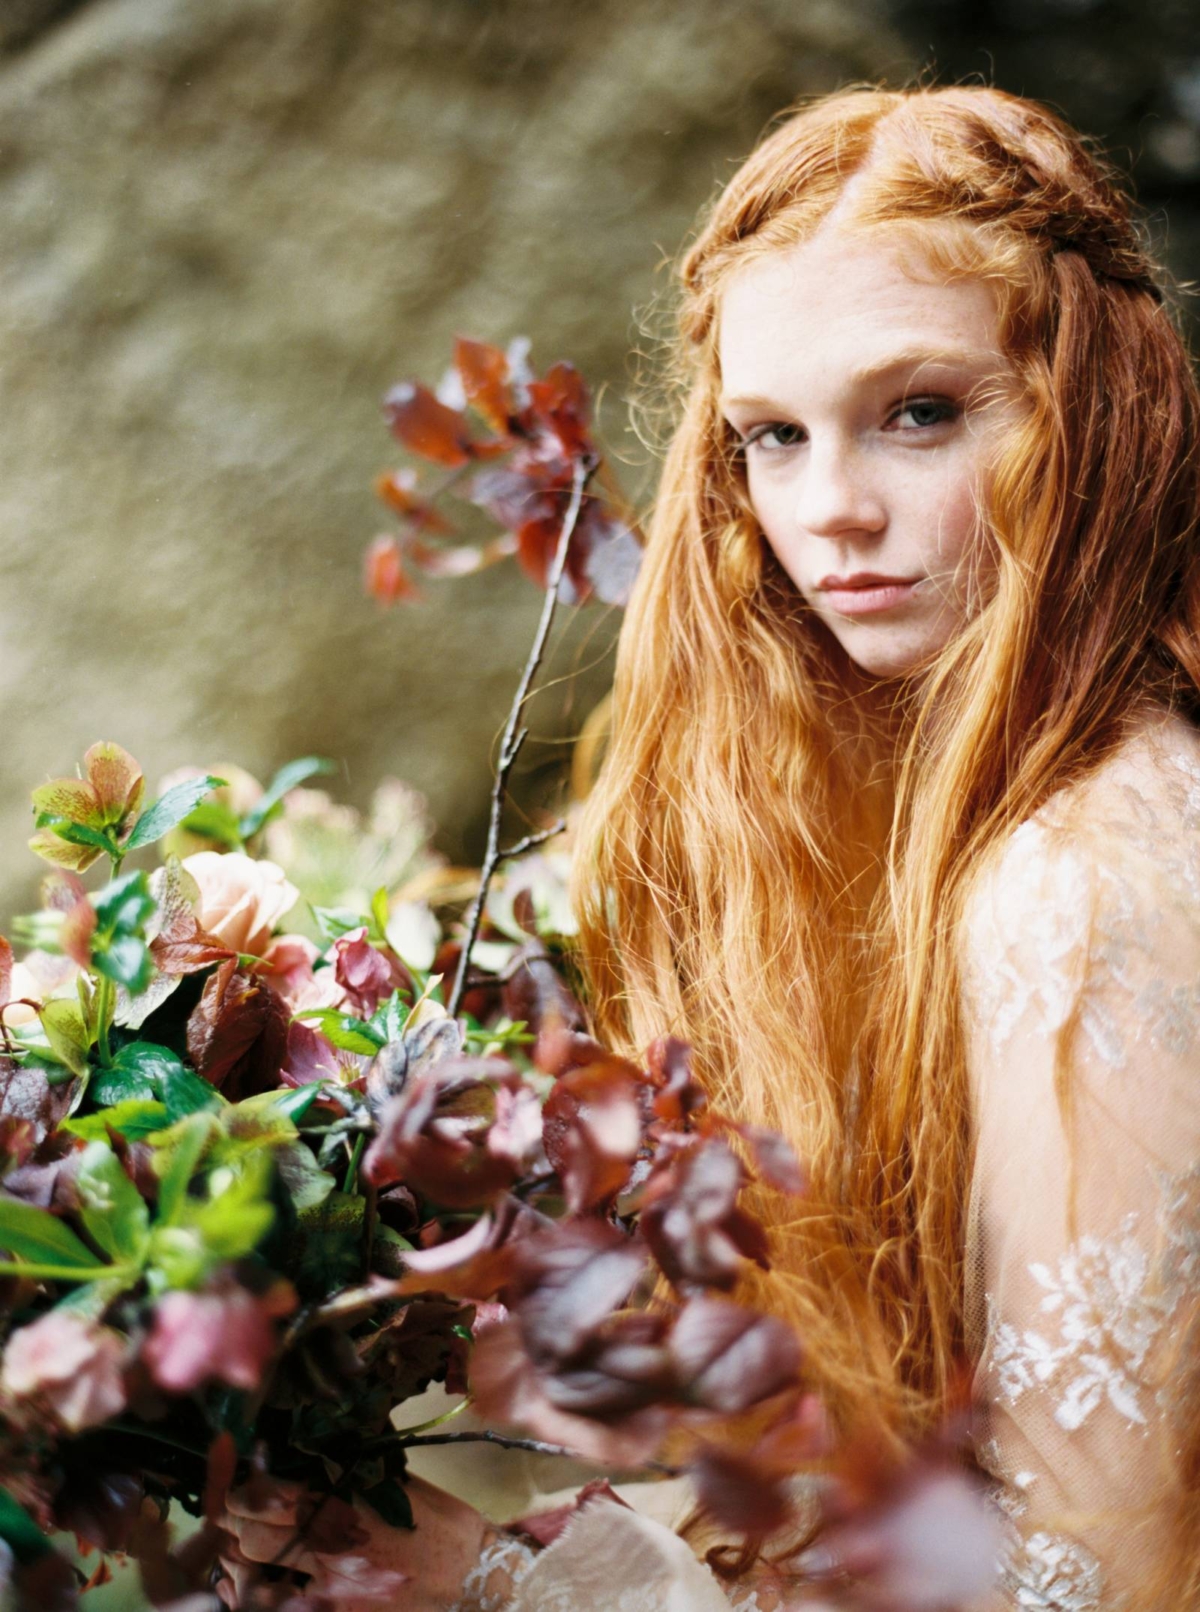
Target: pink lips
pixel 866 592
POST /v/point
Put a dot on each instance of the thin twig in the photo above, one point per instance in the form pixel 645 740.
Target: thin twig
pixel 530 840
pixel 514 737
pixel 486 1436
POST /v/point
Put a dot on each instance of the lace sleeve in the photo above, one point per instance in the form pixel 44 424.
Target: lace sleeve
pixel 1081 998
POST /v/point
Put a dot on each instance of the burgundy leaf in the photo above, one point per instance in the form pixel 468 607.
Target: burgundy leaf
pixel 433 1137
pixel 592 1124
pixel 680 1096
pixel 691 1220
pixel 483 371
pixel 569 1279
pixel 536 993
pixel 427 427
pixel 25 1093
pixel 929 1542
pixel 741 1493
pixel 509 1387
pixel 729 1357
pixel 559 402
pixel 526 489
pixel 398 490
pixel 237 1035
pixel 612 554
pixel 384 576
pixel 367 973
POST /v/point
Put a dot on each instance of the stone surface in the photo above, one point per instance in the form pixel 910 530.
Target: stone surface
pixel 229 225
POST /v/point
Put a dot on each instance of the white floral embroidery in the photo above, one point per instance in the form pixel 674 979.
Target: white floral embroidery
pixel 1107 1319
pixel 1049 1573
pixel 490 1584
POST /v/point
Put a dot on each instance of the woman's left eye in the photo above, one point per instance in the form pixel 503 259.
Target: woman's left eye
pixel 922 412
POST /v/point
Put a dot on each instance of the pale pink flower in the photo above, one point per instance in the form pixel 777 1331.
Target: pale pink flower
pixel 224 1331
pixel 287 966
pixel 241 900
pixel 73 1366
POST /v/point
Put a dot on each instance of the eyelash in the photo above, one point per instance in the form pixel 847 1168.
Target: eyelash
pixel 948 410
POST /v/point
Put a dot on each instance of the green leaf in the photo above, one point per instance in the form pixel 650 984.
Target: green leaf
pixel 169 810
pixel 331 1253
pixel 292 1103
pixel 114 1212
pixel 288 777
pixel 19 1531
pixel 389 1017
pixel 125 959
pixel 213 820
pixel 123 906
pixel 187 1093
pixel 68 1035
pixel 133 1118
pixel 135 1075
pixel 30 1233
pixel 343 1031
pixel 76 833
pixel 334 922
pixel 240 1214
pixel 380 913
pixel 177 1165
pixel 306 1183
pixel 390 1500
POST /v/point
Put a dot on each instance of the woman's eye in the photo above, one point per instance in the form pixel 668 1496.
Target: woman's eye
pixel 776 434
pixel 923 412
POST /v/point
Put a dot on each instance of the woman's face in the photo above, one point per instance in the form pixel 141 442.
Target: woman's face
pixel 869 396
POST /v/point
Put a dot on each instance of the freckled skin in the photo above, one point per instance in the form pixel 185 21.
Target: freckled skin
pixel 870 394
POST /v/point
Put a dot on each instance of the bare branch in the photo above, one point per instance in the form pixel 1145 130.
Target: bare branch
pixel 531 840
pixel 486 1436
pixel 510 744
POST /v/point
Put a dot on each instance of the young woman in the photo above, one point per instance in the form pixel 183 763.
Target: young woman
pixel 900 822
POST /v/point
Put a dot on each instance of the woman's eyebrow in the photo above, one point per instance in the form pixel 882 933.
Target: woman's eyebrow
pixel 901 359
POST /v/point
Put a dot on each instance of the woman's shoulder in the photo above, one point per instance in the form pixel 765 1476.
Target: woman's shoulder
pixel 1098 891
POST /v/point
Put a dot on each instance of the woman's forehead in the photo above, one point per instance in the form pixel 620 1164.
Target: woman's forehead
pixel 857 303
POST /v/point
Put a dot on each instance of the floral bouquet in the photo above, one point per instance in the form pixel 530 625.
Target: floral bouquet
pixel 282 1143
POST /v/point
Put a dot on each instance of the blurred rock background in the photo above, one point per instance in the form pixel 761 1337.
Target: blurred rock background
pixel 226 226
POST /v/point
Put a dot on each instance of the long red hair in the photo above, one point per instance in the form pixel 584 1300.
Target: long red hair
pixel 775 859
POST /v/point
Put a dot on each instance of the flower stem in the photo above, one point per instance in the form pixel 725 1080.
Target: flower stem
pixel 105 1002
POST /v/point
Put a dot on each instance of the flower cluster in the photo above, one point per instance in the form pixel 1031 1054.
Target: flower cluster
pixel 257 1190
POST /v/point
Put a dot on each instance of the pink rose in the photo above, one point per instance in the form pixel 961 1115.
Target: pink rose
pixel 223 1331
pixel 241 900
pixel 72 1365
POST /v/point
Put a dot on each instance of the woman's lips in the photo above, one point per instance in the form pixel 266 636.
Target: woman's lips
pixel 866 593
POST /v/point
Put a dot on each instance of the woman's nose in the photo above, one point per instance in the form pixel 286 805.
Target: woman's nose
pixel 835 497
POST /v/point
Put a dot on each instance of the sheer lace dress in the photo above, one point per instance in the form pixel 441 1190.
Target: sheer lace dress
pixel 1081 1001
pixel 1082 1005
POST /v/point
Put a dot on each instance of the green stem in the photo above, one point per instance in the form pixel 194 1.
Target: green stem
pixel 436 1421
pixel 105 1002
pixel 355 1155
pixel 66 1273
